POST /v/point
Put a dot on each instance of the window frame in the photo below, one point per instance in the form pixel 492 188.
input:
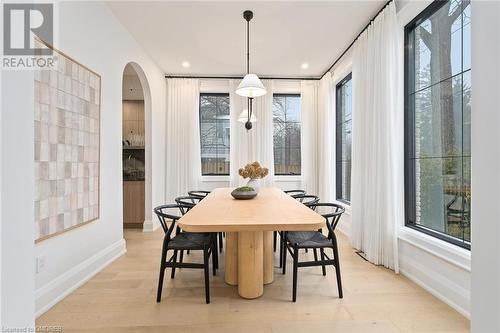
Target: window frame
pixel 338 139
pixel 409 124
pixel 218 94
pixel 289 174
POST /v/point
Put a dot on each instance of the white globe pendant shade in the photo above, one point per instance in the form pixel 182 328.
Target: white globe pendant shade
pixel 244 117
pixel 251 86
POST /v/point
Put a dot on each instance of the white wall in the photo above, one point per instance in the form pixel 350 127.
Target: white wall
pixel 90 34
pixel 17 214
pixel 486 166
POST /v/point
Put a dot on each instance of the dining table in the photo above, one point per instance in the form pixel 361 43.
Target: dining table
pixel 249 226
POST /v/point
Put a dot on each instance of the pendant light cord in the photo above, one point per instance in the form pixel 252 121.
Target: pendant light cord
pixel 249 107
pixel 248 46
pixel 249 100
pixel 248 15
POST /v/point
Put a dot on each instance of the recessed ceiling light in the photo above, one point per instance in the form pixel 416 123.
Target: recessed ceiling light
pixel 185 64
pixel 304 65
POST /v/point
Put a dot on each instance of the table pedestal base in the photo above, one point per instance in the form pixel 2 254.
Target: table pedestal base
pixel 249 261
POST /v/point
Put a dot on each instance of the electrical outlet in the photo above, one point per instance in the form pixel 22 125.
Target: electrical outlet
pixel 40 263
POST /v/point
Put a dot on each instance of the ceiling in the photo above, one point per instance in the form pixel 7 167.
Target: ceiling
pixel 210 36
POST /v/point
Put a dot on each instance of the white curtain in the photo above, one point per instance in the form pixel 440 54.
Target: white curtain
pixel 377 147
pixel 183 137
pixel 326 139
pixel 309 113
pixel 256 144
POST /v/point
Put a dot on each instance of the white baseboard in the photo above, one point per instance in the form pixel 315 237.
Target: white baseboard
pixel 150 226
pixel 50 294
pixel 438 285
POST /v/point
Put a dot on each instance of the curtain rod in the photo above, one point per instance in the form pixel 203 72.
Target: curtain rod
pixel 355 39
pixel 236 77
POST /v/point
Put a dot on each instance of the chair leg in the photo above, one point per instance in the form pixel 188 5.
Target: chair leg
pixel 315 252
pixel 285 250
pixel 337 265
pixel 281 248
pixel 205 261
pixel 214 258
pixel 172 275
pixel 162 272
pixel 181 257
pixel 275 236
pixel 323 268
pixel 215 253
pixel 295 267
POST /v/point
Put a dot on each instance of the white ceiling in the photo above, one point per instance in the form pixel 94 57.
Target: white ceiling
pixel 211 35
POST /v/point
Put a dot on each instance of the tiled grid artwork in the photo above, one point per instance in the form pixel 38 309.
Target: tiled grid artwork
pixel 67 121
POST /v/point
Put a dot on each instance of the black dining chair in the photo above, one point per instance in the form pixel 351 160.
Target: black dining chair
pixel 293 194
pixel 186 203
pixel 308 200
pixel 296 240
pixel 199 194
pixel 180 242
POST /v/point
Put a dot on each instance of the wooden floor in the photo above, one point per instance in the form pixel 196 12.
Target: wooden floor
pixel 121 298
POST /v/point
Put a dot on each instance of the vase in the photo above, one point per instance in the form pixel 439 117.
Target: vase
pixel 255 183
pixel 243 195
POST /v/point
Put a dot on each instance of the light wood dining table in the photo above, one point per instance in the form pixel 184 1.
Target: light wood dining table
pixel 249 226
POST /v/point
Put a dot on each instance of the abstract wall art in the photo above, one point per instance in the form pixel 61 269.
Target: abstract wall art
pixel 67 141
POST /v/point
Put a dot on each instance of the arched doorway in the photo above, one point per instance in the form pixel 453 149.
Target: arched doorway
pixel 136 148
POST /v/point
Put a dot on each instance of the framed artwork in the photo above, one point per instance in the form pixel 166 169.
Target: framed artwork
pixel 67 145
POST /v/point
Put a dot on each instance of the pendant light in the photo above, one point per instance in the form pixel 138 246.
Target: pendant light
pixel 250 86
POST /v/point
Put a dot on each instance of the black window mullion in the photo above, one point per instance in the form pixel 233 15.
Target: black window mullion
pixel 462 110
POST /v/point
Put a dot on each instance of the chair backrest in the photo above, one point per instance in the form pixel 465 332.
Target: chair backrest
pixel 295 193
pixel 187 202
pixel 167 219
pixel 308 199
pixel 199 194
pixel 331 212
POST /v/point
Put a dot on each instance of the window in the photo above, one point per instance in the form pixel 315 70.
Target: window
pixel 437 121
pixel 286 130
pixel 214 134
pixel 344 139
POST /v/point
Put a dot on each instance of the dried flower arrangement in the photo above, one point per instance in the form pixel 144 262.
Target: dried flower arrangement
pixel 253 171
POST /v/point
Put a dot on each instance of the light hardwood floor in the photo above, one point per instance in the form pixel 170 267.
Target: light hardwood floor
pixel 121 298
